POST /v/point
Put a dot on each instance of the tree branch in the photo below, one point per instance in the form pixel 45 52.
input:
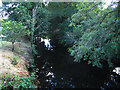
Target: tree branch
pixel 106 15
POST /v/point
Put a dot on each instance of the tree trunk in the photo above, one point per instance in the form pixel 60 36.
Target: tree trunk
pixel 33 24
pixel 12 46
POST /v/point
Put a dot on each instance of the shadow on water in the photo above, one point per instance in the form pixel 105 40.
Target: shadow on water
pixel 57 69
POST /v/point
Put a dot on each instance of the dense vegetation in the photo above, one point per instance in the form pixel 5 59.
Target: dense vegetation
pixel 89 31
pixel 13 31
pixel 96 33
pixel 92 31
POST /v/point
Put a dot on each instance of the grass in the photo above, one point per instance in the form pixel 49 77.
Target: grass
pixel 14 81
pixel 4 44
pixel 13 66
pixel 14 60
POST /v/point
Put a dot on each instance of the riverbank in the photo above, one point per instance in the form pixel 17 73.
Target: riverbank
pixel 14 65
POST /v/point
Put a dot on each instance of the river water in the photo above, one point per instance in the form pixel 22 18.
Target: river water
pixel 57 70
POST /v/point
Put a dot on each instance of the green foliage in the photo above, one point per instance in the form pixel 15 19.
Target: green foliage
pixel 50 21
pixel 32 16
pixel 14 81
pixel 96 34
pixel 59 20
pixel 12 30
pixel 17 82
pixel 20 12
pixel 14 60
pixel 34 50
pixel 42 22
pixel 92 31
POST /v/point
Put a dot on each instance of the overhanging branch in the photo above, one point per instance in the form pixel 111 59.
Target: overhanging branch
pixel 107 14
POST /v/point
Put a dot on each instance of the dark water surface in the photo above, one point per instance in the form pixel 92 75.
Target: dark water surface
pixel 57 70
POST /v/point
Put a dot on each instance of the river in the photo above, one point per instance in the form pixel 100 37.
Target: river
pixel 57 70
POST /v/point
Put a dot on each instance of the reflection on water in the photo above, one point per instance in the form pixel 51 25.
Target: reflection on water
pixel 117 70
pixel 57 70
pixel 113 81
pixel 46 43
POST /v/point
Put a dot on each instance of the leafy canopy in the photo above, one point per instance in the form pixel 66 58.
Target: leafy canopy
pixel 96 34
pixel 13 30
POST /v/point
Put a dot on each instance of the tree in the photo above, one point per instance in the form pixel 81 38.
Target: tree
pixel 47 22
pixel 59 20
pixel 31 15
pixel 96 34
pixel 13 31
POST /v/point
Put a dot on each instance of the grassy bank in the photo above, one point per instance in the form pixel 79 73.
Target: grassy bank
pixel 14 66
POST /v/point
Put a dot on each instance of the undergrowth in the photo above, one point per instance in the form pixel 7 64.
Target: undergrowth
pixel 14 81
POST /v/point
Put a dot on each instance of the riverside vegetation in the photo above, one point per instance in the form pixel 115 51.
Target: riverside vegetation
pixel 89 32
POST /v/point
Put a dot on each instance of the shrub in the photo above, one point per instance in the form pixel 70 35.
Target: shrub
pixel 14 60
pixel 17 82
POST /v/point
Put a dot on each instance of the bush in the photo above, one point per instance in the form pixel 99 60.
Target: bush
pixel 14 60
pixel 17 82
